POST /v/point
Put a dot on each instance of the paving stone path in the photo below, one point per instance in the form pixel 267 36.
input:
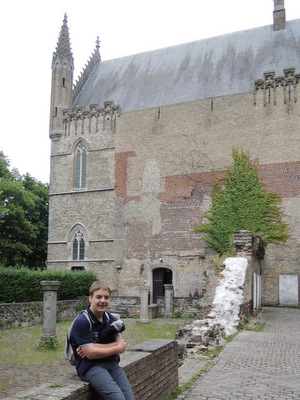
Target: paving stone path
pixel 256 365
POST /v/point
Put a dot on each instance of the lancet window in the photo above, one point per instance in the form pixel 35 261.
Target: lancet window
pixel 80 166
pixel 78 246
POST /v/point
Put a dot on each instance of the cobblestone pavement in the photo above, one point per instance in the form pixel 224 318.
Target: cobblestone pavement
pixel 256 365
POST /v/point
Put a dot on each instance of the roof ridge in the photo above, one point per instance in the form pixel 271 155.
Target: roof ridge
pixel 205 39
pixel 87 71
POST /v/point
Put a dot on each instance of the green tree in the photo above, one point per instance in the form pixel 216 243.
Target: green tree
pixel 23 219
pixel 240 201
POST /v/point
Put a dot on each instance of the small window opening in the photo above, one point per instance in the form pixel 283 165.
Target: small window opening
pixel 77 268
pixel 64 81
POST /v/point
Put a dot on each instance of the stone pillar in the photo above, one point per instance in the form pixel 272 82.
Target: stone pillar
pixel 168 300
pixel 50 289
pixel 144 317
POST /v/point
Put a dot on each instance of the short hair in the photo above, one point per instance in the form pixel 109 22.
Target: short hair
pixel 97 286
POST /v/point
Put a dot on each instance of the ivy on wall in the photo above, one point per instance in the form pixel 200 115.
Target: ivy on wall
pixel 240 201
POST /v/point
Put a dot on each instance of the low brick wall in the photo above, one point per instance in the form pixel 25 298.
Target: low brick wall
pixel 151 368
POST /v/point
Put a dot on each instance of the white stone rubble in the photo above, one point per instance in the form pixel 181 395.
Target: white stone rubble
pixel 223 320
pixel 229 295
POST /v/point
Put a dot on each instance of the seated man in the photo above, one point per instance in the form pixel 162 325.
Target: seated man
pixel 98 347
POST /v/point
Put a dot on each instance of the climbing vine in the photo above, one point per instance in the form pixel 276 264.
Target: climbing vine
pixel 240 201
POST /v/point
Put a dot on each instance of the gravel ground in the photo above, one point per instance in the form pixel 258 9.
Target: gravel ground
pixel 16 378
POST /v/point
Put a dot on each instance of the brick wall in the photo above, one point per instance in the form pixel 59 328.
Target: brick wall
pixel 154 376
pixel 283 178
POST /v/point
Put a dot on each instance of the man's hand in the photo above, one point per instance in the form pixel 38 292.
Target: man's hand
pixel 121 344
pixel 80 352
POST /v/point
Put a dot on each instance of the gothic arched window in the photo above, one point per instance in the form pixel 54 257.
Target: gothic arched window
pixel 80 166
pixel 78 246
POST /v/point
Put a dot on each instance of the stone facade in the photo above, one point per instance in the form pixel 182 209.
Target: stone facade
pixel 148 174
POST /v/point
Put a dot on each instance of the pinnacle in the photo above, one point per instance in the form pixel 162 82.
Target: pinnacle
pixel 63 48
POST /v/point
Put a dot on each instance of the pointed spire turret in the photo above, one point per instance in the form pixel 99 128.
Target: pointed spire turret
pixel 62 81
pixel 63 49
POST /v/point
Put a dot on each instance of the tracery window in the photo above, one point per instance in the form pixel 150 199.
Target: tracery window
pixel 80 166
pixel 78 246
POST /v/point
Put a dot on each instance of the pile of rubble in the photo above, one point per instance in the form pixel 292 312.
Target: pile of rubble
pixel 199 335
pixel 223 320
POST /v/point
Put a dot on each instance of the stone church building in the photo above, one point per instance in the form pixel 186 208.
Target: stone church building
pixel 137 142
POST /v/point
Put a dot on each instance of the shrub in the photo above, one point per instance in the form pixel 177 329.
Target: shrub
pixel 24 285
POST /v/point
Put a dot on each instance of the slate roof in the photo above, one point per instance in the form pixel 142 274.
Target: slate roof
pixel 217 66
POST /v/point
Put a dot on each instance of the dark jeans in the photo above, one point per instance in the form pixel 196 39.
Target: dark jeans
pixel 109 380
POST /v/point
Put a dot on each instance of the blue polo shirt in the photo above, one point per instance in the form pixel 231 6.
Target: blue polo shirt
pixel 82 335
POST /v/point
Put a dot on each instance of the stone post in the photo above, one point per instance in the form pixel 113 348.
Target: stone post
pixel 50 289
pixel 168 300
pixel 144 317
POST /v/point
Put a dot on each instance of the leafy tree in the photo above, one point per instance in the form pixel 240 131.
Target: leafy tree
pixel 23 218
pixel 241 202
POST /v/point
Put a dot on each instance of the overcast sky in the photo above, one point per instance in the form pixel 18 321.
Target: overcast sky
pixel 29 31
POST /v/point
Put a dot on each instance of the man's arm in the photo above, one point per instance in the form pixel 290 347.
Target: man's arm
pixel 94 351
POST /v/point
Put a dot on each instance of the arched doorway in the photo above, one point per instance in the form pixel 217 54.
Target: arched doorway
pixel 160 277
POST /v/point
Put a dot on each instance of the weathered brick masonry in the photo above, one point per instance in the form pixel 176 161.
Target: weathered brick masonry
pixel 283 178
pixel 121 174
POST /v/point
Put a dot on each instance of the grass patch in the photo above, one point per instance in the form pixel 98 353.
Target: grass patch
pixel 247 321
pixel 3 385
pixel 157 329
pixel 21 345
pixel 231 337
pixel 214 352
pixel 259 326
pixel 253 325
